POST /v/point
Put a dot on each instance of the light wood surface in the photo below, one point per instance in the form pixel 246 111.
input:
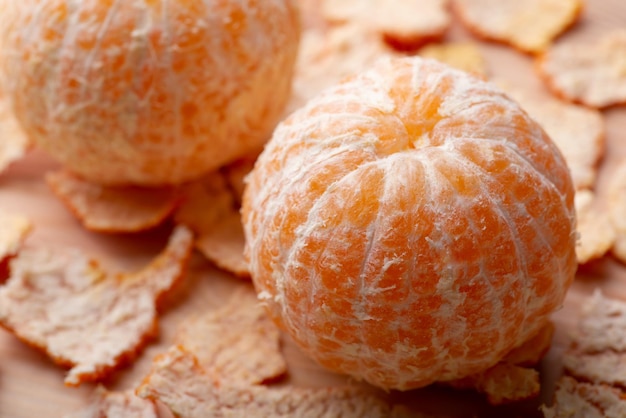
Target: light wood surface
pixel 31 386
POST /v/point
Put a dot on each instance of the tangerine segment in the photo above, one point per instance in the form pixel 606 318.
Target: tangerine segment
pixel 412 224
pixel 148 92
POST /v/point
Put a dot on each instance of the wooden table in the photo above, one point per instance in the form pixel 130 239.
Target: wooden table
pixel 31 386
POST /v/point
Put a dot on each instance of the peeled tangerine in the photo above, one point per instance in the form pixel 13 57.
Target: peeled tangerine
pixel 147 92
pixel 410 225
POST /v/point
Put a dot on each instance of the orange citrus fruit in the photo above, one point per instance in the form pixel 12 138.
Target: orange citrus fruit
pixel 410 225
pixel 148 92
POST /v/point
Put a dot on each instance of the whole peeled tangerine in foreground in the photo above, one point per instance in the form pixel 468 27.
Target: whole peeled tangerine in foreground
pixel 410 225
pixel 148 92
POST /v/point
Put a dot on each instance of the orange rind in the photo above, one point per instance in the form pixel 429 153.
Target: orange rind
pixel 64 303
pixel 594 382
pixel 597 233
pixel 326 56
pixel 113 209
pixel 224 245
pixel 464 56
pixel 235 175
pixel 13 140
pixel 13 231
pixel 529 25
pixel 105 403
pixel 598 346
pixel 404 24
pixel 178 381
pixel 591 72
pixel 208 208
pixel 411 224
pixel 574 399
pixel 237 343
pixel 616 200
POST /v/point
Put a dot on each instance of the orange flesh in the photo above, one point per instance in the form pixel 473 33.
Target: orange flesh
pixel 410 225
pixel 162 92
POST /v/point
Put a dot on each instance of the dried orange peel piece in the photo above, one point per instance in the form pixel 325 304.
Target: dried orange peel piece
pixel 209 209
pixel 405 24
pixel 606 367
pixel 235 175
pixel 616 200
pixel 464 56
pixel 578 132
pixel 105 403
pixel 595 381
pixel 13 140
pixel 598 346
pixel 574 399
pixel 237 343
pixel 113 209
pixel 224 245
pixel 329 55
pixel 178 380
pixel 65 304
pixel 13 231
pixel 529 25
pixel 597 233
pixel 592 73
pixel 204 203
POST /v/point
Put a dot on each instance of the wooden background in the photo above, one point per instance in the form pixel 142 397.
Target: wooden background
pixel 31 386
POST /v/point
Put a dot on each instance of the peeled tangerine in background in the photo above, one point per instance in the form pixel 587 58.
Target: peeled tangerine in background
pixel 410 225
pixel 147 92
